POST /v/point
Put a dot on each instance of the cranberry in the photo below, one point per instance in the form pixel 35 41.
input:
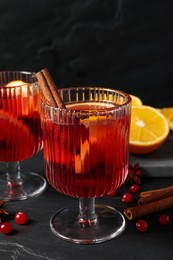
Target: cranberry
pixel 142 225
pixel 134 188
pixel 20 218
pixel 6 228
pixel 127 197
pixel 164 219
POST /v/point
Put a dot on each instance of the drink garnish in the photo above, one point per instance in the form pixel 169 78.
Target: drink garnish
pixel 49 89
pixel 16 83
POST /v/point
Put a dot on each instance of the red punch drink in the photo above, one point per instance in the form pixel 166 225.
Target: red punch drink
pixel 86 156
pixel 86 148
pixel 20 135
pixel 20 128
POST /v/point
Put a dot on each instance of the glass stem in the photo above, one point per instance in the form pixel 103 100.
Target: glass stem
pixel 13 174
pixel 87 213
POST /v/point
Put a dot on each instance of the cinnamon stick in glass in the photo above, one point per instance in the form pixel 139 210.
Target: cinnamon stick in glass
pixel 49 88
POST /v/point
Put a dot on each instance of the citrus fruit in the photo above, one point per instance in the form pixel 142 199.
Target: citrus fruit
pixel 170 122
pixel 136 101
pixel 168 113
pixel 15 83
pixel 149 129
pixel 18 83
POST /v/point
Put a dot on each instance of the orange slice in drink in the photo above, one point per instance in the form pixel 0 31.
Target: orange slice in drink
pixel 136 101
pixel 149 129
pixel 21 92
pixel 19 83
pixel 168 113
pixel 15 83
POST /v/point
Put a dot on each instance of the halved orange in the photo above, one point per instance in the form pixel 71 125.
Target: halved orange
pixel 149 129
pixel 170 122
pixel 136 101
pixel 168 113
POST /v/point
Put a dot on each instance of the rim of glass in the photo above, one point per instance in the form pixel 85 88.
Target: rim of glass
pixel 20 72
pixel 115 106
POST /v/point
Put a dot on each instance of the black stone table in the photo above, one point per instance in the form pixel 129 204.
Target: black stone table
pixel 35 241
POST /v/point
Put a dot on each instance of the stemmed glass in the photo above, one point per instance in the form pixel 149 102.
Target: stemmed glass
pixel 86 156
pixel 20 134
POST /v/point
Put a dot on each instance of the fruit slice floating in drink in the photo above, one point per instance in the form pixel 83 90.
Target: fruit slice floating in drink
pixel 16 83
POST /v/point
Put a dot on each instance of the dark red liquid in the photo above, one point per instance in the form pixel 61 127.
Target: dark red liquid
pixel 88 158
pixel 20 127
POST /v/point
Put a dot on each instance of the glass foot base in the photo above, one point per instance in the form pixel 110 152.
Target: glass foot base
pixel 32 185
pixel 110 223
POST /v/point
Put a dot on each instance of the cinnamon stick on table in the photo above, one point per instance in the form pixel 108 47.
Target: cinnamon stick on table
pixel 152 195
pixel 49 88
pixel 148 208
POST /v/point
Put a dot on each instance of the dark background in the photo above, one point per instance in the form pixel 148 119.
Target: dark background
pixel 122 44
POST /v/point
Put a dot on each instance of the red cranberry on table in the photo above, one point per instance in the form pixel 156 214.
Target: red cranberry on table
pixel 164 219
pixel 6 228
pixel 20 218
pixel 142 225
pixel 127 197
pixel 134 188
